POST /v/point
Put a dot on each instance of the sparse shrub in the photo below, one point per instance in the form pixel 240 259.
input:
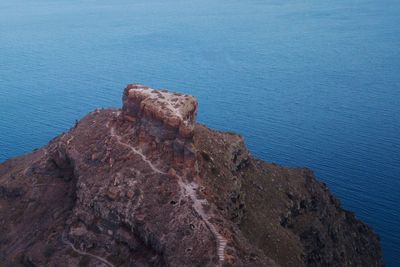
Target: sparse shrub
pixel 48 250
pixel 84 261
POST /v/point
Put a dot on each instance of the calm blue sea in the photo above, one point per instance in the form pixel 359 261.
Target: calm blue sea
pixel 308 83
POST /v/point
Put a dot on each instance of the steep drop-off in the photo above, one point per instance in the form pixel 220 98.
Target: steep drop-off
pixel 147 186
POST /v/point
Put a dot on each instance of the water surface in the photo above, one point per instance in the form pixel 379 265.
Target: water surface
pixel 307 83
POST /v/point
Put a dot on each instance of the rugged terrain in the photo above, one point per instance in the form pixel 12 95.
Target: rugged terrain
pixel 146 185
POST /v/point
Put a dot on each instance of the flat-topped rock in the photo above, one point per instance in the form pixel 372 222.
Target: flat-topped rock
pixel 175 110
pixel 131 190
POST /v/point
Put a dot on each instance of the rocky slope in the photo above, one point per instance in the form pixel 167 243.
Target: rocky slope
pixel 147 186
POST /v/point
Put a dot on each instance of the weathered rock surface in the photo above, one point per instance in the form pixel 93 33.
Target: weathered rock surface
pixel 147 186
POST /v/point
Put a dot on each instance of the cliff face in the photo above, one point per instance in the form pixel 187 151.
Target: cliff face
pixel 147 186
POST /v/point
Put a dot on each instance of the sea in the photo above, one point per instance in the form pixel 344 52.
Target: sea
pixel 307 82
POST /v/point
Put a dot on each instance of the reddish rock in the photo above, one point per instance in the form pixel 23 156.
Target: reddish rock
pixel 147 186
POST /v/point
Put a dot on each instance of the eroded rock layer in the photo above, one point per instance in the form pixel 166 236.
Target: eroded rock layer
pixel 147 186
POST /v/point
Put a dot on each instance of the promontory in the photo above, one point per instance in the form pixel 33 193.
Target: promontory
pixel 145 185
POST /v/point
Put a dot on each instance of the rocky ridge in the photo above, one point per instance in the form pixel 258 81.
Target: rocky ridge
pixel 147 186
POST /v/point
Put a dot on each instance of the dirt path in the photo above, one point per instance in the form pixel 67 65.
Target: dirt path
pixel 134 150
pixel 83 253
pixel 189 189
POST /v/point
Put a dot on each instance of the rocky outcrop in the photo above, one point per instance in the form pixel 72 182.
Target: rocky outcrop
pixel 175 110
pixel 147 186
pixel 165 122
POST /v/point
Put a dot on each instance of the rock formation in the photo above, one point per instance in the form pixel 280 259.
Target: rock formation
pixel 147 186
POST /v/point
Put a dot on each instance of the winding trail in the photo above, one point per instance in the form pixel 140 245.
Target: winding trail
pixel 136 151
pixel 189 190
pixel 83 253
